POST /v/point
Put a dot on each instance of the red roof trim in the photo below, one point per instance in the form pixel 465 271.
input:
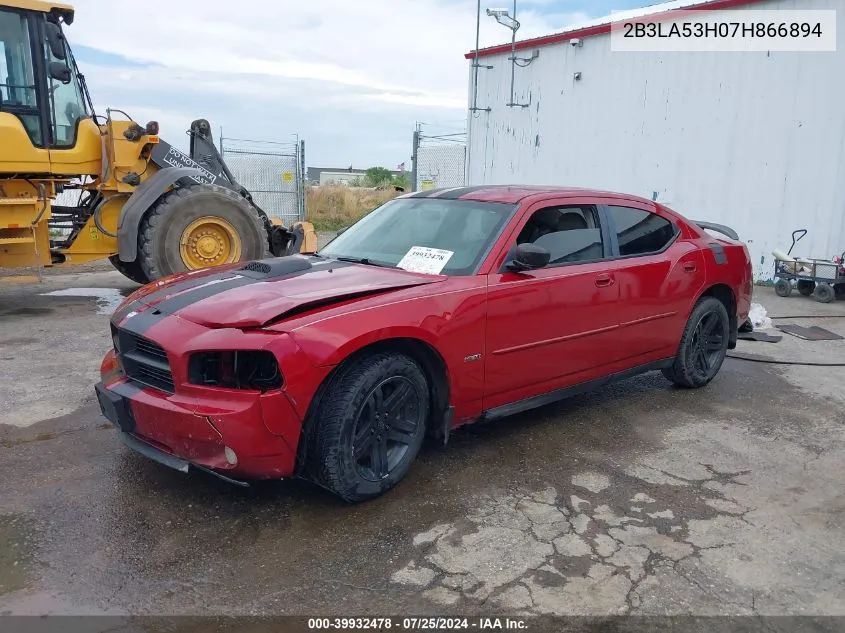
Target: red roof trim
pixel 600 29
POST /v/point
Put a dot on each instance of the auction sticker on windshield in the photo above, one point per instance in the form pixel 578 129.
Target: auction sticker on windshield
pixel 422 259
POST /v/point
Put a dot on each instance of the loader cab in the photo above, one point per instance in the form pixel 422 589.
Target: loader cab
pixel 43 107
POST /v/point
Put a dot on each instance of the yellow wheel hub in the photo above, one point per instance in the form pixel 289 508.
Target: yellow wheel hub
pixel 209 241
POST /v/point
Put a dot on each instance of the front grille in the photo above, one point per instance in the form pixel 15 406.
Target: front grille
pixel 142 360
pixel 144 346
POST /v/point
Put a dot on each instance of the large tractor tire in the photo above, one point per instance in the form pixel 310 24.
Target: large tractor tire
pixel 199 226
pixel 130 270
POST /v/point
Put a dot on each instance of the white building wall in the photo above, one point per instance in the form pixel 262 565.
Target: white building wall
pixel 752 140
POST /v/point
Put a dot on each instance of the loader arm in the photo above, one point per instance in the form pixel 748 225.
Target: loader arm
pixel 204 166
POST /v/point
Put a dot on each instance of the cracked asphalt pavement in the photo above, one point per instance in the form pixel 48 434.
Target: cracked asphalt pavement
pixel 641 499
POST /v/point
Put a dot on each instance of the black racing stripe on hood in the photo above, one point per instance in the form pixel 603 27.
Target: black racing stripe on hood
pixel 182 286
pixel 174 304
pixel 214 285
pixel 139 323
pixel 188 284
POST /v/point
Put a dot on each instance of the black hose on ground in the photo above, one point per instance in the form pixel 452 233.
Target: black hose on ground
pixel 772 361
pixel 810 316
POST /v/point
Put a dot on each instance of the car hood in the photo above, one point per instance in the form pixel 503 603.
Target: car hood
pixel 268 291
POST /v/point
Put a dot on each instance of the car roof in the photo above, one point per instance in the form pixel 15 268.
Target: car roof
pixel 516 193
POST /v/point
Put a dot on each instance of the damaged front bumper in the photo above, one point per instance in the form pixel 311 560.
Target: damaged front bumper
pixel 171 461
pixel 227 438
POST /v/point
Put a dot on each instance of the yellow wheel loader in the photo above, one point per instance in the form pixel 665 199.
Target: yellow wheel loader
pixel 148 207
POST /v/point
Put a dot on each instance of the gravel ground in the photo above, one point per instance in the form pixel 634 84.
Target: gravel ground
pixel 641 499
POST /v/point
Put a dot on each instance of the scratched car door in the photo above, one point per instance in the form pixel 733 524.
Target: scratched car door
pixel 549 327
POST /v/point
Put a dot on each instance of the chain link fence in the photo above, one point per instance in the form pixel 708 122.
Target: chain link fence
pixel 439 159
pixel 273 172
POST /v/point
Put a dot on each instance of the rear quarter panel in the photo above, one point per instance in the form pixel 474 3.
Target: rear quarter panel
pixel 735 272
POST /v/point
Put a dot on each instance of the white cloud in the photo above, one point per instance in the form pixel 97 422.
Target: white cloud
pixel 401 58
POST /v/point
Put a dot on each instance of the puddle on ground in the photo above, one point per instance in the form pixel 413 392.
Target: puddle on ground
pixel 17 534
pixel 107 298
pixel 25 312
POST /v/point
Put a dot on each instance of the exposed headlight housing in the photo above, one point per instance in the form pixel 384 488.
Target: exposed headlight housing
pixel 253 370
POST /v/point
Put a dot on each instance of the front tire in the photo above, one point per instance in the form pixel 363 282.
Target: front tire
pixel 369 426
pixel 200 226
pixel 703 347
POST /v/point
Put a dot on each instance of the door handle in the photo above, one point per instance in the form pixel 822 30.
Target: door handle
pixel 690 267
pixel 604 281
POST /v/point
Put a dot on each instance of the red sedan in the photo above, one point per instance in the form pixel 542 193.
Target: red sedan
pixel 438 309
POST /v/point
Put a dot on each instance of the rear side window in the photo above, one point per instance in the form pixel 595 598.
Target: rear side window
pixel 640 232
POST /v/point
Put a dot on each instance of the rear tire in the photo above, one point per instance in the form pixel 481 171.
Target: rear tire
pixel 237 231
pixel 369 426
pixel 130 270
pixel 703 347
pixel 783 288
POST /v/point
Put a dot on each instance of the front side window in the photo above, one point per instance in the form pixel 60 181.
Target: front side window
pixel 465 229
pixel 640 232
pixel 18 93
pixel 66 100
pixel 570 233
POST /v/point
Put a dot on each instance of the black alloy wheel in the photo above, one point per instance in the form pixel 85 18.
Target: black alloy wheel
pixel 703 346
pixel 386 427
pixel 368 425
pixel 707 344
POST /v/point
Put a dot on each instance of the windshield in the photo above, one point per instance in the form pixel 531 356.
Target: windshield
pixel 449 237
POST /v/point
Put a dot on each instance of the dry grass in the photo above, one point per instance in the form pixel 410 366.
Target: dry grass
pixel 332 207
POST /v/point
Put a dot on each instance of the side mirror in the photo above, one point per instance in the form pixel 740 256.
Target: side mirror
pixel 529 257
pixel 59 71
pixel 56 40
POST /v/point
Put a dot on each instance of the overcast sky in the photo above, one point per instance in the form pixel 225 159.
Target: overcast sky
pixel 351 77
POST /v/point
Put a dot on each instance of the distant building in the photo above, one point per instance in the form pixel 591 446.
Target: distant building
pixel 337 176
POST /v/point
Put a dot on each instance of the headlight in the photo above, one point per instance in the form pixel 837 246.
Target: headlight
pixel 255 370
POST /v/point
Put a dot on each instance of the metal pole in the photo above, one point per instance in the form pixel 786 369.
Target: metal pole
pixel 513 54
pixel 415 146
pixel 302 197
pixel 475 61
pixel 221 140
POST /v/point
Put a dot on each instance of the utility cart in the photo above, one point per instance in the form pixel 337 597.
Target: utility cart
pixel 822 279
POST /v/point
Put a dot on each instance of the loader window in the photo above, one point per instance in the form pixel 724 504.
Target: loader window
pixel 67 103
pixel 17 78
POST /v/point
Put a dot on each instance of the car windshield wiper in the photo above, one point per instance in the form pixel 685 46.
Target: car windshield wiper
pixel 364 260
